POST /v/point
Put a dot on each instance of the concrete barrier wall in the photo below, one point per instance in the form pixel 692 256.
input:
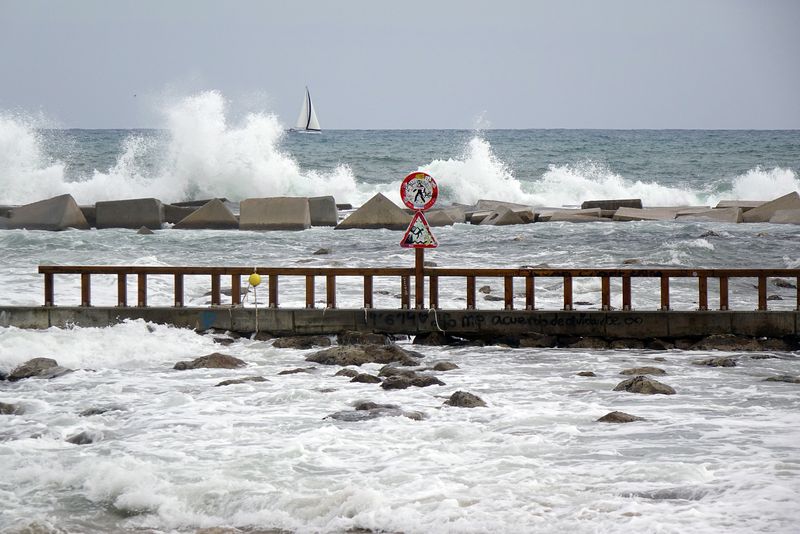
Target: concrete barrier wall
pixel 611 325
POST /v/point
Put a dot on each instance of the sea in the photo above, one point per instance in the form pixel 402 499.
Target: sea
pixel 172 453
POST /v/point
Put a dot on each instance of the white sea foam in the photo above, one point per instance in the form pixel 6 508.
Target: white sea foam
pixel 765 184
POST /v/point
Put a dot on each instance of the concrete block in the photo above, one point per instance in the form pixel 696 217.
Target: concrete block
pixel 90 214
pixel 746 205
pixel 724 215
pixel 786 217
pixel 698 323
pixel 174 214
pixel 764 323
pixel 323 211
pixel 582 215
pixel 5 223
pixel 57 213
pixel 394 321
pixel 648 214
pixel 637 324
pixel 378 212
pixel 133 213
pixel 329 322
pixel 438 218
pixel 213 215
pixel 277 213
pixel 764 212
pixel 613 204
pixel 504 216
pixel 491 205
pixel 25 317
pixel 476 217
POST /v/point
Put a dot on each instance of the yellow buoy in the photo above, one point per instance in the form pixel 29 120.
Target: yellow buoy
pixel 254 279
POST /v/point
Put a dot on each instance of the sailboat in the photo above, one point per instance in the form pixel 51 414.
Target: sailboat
pixel 307 121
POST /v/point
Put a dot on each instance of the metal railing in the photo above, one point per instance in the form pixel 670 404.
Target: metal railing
pixel 526 275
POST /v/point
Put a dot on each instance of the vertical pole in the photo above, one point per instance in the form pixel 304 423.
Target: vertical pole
pixel 178 290
pixel 215 291
pixel 626 292
pixel 122 289
pixel 419 278
pixel 86 289
pixel 567 291
pixel 470 292
pixel 433 291
pixel 508 284
pixel 142 290
pixel 48 289
pixel 605 290
pixel 723 292
pixel 310 291
pixel 762 292
pixel 236 289
pixel 797 292
pixel 273 291
pixel 664 292
pixel 330 289
pixel 405 292
pixel 530 292
pixel 368 291
pixel 702 289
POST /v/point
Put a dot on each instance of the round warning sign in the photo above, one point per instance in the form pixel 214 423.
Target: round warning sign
pixel 419 191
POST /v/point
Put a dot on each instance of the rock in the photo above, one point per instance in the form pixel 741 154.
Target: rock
pixel 619 417
pixel 84 438
pixel 276 213
pixel 323 211
pixel 362 338
pixel 370 410
pixel 302 342
pixel 613 204
pixel 101 410
pixel 632 261
pixel 346 372
pixel 423 381
pixel 784 378
pixel 782 282
pixel 394 370
pixel 321 252
pixel 659 344
pixel 366 378
pixel 33 367
pixel 244 380
pixel 360 354
pixel 786 217
pixel 709 233
pixel 766 211
pixel 727 343
pixel 716 362
pixel 144 231
pixel 589 343
pixel 645 386
pixel 57 213
pixel 493 298
pixel 261 336
pixel 723 215
pixel 213 215
pixel 211 361
pixel 11 409
pixel 131 214
pixel 656 371
pixel 396 382
pixel 626 344
pixel 774 297
pixel 53 372
pixel 444 366
pixel 463 399
pixel 539 341
pixel 585 373
pixel 296 370
pixel 437 339
pixel 378 212
pixel 485 290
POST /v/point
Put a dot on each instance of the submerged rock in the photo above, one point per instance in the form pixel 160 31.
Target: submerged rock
pixel 716 362
pixel 784 378
pixel 365 410
pixel 585 373
pixel 235 381
pixel 657 371
pixel 296 370
pixel 215 360
pixel 302 342
pixel 645 386
pixel 463 399
pixel 366 378
pixel 84 438
pixel 11 409
pixel 393 370
pixel 101 410
pixel 619 417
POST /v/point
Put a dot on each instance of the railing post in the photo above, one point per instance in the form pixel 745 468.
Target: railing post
pixel 508 297
pixel 405 292
pixel 723 292
pixel 178 290
pixel 368 293
pixel 470 292
pixel 664 292
pixel 762 292
pixel 330 290
pixel 605 289
pixel 310 281
pixel 419 278
pixel 216 300
pixel 433 297
pixel 702 289
pixel 122 290
pixel 236 289
pixel 142 290
pixel 797 292
pixel 86 289
pixel 273 291
pixel 530 292
pixel 568 292
pixel 626 292
pixel 48 289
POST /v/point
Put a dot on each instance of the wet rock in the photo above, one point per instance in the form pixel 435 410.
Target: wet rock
pixel 369 405
pixel 3 376
pixel 31 368
pixel 362 338
pixel 645 386
pixel 366 378
pixel 437 339
pixel 84 438
pixel 396 382
pixel 463 399
pixel 660 359
pixel 224 341
pixel 716 362
pixel 444 366
pixel 423 381
pixel 301 342
pixel 589 343
pixel 632 261
pixel 774 297
pixel 296 370
pixel 244 380
pixel 619 417
pixel 11 409
pixel 347 372
pixel 361 354
pixel 261 336
pixel 53 372
pixel 585 373
pixel 727 343
pixel 493 298
pixel 683 494
pixel 485 290
pixel 776 344
pixel 710 233
pixel 537 341
pixel 657 371
pixel 322 252
pixel 100 410
pixel 393 370
pixel 583 303
pixel 684 343
pixel 626 344
pixel 365 415
pixel 428 263
pixel 215 360
pixel 782 282
pixel 784 378
pixel 143 230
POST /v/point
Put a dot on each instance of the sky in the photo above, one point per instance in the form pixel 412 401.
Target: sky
pixel 369 64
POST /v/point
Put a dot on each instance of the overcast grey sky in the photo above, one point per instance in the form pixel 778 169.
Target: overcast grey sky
pixel 410 64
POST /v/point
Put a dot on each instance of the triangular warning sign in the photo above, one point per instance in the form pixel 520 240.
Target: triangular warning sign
pixel 419 234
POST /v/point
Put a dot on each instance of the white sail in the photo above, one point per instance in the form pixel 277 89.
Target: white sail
pixel 307 120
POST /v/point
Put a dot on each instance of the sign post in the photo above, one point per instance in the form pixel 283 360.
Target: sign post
pixel 419 192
